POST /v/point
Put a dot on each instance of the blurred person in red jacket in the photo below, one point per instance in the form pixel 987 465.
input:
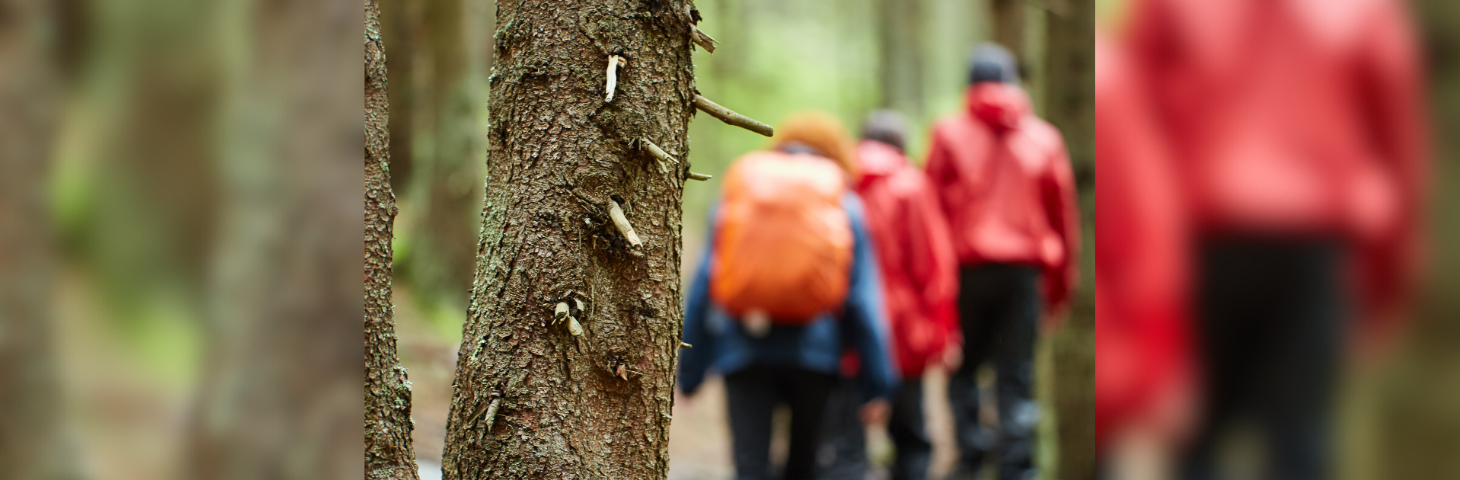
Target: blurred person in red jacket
pixel 1003 179
pixel 919 283
pixel 1143 369
pixel 1296 131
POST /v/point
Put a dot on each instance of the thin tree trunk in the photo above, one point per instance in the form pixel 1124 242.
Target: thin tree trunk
pixel 532 400
pixel 280 393
pixel 448 177
pixel 1007 21
pixel 900 45
pixel 1069 76
pixel 32 445
pixel 1069 103
pixel 388 426
pixel 400 30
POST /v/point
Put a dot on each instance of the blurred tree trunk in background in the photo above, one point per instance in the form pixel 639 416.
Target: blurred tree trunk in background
pixel 400 31
pixel 1069 77
pixel 32 443
pixel 531 400
pixel 447 180
pixel 1069 103
pixel 280 390
pixel 900 51
pixel 1007 22
pixel 148 228
pixel 388 426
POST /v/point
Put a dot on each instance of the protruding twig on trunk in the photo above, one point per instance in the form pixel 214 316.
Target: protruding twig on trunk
pixel 492 412
pixel 664 159
pixel 614 62
pixel 574 327
pixel 616 213
pixel 560 312
pixel 704 41
pixel 732 118
pixel 699 176
pixel 686 345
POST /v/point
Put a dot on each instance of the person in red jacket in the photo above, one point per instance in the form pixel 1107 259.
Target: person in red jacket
pixel 919 284
pixel 1003 179
pixel 1296 133
pixel 1143 369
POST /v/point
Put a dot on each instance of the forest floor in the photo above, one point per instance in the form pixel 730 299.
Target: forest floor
pixel 699 437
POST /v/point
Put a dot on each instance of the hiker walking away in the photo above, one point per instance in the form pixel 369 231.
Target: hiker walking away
pixel 919 282
pixel 1296 130
pixel 1003 179
pixel 788 281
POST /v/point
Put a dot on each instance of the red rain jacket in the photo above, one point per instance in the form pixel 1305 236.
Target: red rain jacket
pixel 919 270
pixel 1003 178
pixel 1141 238
pixel 1297 117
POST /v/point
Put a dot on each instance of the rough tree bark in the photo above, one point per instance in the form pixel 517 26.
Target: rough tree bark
pixel 900 48
pixel 531 399
pixel 31 440
pixel 280 388
pixel 388 426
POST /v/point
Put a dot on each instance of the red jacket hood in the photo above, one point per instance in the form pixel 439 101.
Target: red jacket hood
pixel 1000 105
pixel 877 160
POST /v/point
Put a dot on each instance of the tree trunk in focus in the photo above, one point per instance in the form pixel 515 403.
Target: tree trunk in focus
pixel 900 48
pixel 280 388
pixel 32 445
pixel 388 426
pixel 532 400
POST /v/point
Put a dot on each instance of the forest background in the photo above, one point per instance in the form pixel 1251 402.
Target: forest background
pixel 194 143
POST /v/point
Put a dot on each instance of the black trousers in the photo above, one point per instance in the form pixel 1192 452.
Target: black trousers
pixel 752 396
pixel 843 453
pixel 999 308
pixel 1271 325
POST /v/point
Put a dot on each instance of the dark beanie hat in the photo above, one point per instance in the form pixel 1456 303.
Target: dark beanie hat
pixel 992 63
pixel 886 126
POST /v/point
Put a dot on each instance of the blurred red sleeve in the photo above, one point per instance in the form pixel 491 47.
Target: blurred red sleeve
pixel 1058 192
pixel 1391 82
pixel 932 263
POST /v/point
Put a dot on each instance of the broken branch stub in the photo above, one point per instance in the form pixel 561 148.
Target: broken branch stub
pixel 659 154
pixel 703 40
pixel 614 62
pixel 560 312
pixel 616 213
pixel 732 118
pixel 699 176
pixel 492 412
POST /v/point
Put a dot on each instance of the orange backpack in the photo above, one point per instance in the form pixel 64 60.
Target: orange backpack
pixel 783 244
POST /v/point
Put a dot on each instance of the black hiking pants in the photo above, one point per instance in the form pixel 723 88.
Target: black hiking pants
pixel 752 395
pixel 999 308
pixel 1270 329
pixel 843 454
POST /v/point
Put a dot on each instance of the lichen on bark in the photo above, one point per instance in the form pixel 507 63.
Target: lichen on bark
pixel 388 451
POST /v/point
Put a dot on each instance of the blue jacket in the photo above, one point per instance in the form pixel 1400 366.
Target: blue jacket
pixel 720 341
